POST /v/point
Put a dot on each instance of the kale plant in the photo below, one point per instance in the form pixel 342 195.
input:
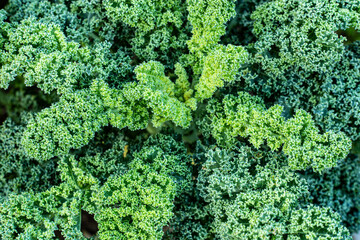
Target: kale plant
pixel 179 119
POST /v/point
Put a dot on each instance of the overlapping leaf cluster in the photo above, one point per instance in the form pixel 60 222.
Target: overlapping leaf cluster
pixel 130 197
pixel 254 195
pixel 301 59
pixel 245 116
pixel 196 119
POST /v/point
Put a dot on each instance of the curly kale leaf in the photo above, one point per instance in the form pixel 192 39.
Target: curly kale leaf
pixel 41 53
pixel 135 201
pixel 18 172
pixel 254 195
pixel 300 35
pixel 246 116
pixel 301 60
pixel 158 91
pixel 216 64
pixel 220 67
pixel 73 121
pixel 160 26
pixel 339 189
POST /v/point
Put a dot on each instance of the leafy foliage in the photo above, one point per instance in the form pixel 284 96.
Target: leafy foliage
pixel 134 202
pixel 338 188
pixel 196 119
pixel 40 53
pixel 312 45
pixel 158 91
pixel 214 62
pixel 160 26
pixel 246 116
pixel 18 172
pixel 300 61
pixel 254 195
